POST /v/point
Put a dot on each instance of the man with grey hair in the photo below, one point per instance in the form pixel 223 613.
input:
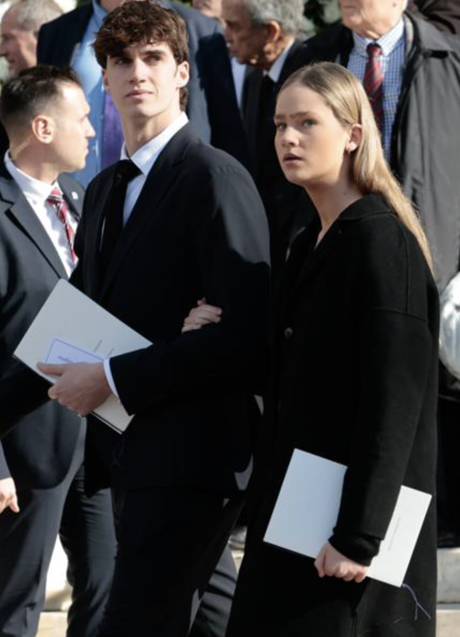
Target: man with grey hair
pixel 267 34
pixel 19 30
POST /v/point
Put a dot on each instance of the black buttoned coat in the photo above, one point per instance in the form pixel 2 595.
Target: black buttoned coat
pixel 354 381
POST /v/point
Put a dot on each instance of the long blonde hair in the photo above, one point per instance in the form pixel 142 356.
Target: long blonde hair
pixel 345 96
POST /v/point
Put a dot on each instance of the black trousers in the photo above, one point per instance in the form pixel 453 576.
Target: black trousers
pixel 448 476
pixel 173 565
pixel 27 539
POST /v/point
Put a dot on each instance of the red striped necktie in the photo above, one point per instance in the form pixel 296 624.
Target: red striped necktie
pixel 57 201
pixel 373 81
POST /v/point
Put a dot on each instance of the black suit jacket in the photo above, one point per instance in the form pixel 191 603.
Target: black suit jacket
pixel 212 105
pixel 197 230
pixel 38 452
pixel 288 207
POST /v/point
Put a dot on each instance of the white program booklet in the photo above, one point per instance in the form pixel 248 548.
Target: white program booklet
pixel 308 505
pixel 72 328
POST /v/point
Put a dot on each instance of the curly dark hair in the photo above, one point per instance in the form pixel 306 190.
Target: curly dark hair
pixel 140 23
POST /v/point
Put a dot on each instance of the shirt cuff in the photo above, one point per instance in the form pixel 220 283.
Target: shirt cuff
pixel 109 377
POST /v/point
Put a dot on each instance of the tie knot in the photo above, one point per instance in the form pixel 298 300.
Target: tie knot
pixel 126 170
pixel 267 81
pixel 374 50
pixel 55 196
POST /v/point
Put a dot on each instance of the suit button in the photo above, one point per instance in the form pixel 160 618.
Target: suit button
pixel 288 332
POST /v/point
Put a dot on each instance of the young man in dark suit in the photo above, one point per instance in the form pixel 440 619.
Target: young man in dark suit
pixel 41 461
pixel 191 225
pixel 212 106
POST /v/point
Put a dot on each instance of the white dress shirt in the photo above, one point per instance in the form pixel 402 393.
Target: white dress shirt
pixel 37 192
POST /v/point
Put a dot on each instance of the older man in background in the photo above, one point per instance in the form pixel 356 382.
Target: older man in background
pixel 18 38
pixel 19 29
pixel 267 34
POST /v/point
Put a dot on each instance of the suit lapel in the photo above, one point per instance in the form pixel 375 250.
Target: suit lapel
pixel 23 215
pixel 159 181
pixel 290 65
pixel 73 194
pixel 251 109
pixel 94 226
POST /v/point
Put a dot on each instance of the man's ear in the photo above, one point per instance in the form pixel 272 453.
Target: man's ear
pixel 183 74
pixel 105 80
pixel 43 128
pixel 273 30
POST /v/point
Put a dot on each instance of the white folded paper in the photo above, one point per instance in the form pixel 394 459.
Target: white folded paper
pixel 72 328
pixel 308 505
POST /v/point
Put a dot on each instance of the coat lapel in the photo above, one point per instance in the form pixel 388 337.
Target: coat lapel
pixel 159 182
pixel 316 256
pixel 93 223
pixel 73 194
pixel 23 215
pixel 305 267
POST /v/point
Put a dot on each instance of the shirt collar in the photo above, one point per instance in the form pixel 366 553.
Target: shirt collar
pixel 146 155
pixel 275 70
pixel 32 188
pixel 388 41
pixel 98 12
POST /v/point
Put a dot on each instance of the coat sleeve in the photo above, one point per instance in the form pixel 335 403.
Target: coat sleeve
pixel 443 14
pixel 4 469
pixel 21 392
pixel 397 388
pixel 229 239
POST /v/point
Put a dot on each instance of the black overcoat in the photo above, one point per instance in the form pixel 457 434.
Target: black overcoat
pixel 355 381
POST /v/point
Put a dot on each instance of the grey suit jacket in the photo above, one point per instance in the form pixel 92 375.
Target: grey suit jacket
pixel 38 452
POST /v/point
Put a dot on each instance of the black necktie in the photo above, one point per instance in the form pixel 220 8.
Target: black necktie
pixel 125 171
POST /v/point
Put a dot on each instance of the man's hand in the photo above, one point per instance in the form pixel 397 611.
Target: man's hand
pixel 81 387
pixel 331 562
pixel 202 314
pixel 8 497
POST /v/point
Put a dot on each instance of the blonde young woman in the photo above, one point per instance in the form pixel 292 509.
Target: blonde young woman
pixel 354 377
